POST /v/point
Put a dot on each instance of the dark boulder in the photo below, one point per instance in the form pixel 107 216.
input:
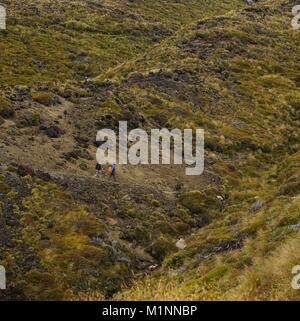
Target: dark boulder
pixel 24 170
pixel 54 131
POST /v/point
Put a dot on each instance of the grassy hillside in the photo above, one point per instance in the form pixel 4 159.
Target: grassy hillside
pixel 53 40
pixel 73 67
pixel 247 254
pixel 247 98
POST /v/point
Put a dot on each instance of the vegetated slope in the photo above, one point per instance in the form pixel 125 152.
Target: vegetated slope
pixel 236 75
pixel 65 234
pixel 54 40
pixel 50 47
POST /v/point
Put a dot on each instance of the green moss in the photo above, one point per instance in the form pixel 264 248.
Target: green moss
pixel 139 235
pixel 4 188
pixel 181 228
pixel 11 168
pixel 150 199
pixel 194 201
pixel 44 98
pixel 6 110
pixel 254 227
pixel 160 248
pixel 216 273
pixel 61 236
pixel 42 286
pixel 175 261
pixel 12 194
pixel 36 119
pixel 78 26
pixel 164 227
pixel 209 277
pixel 292 188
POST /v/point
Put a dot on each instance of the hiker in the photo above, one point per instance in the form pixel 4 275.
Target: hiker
pixel 112 170
pixel 98 169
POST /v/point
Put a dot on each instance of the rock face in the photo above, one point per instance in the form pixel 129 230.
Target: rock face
pixel 54 131
pixel 181 244
pixel 24 170
pixel 256 206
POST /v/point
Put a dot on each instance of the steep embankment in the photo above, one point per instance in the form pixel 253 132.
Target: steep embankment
pixel 54 40
pixel 238 75
pixel 65 234
pixel 235 74
pixel 50 47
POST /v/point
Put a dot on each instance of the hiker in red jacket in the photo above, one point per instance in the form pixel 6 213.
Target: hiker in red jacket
pixel 112 170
